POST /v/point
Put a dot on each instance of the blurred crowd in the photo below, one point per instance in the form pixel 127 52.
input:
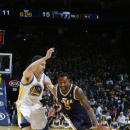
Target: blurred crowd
pixel 95 63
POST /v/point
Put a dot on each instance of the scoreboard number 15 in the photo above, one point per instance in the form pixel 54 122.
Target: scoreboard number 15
pixel 46 14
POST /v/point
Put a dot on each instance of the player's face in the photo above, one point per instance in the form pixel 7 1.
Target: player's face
pixel 42 67
pixel 63 83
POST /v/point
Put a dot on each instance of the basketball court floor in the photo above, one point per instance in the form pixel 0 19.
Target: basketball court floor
pixel 16 128
pixel 9 128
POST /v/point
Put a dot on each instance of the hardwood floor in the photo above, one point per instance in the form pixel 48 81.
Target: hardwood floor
pixel 15 128
pixel 9 128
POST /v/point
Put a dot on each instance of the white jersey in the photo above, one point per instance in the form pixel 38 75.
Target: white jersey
pixel 28 103
pixel 31 93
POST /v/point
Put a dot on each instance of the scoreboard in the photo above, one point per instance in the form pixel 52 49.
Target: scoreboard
pixel 46 14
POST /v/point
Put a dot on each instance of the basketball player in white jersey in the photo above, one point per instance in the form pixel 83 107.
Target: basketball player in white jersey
pixel 31 114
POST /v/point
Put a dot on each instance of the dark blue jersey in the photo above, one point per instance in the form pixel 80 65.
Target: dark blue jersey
pixel 72 106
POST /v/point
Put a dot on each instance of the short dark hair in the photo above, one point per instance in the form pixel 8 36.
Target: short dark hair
pixel 63 74
pixel 101 104
pixel 36 58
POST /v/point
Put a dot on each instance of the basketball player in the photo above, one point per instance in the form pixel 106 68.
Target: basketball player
pixel 75 107
pixel 31 113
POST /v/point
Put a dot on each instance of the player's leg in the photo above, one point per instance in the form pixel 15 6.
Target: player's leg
pixel 81 128
pixel 85 126
pixel 24 124
pixel 46 127
pixel 38 118
pixel 26 127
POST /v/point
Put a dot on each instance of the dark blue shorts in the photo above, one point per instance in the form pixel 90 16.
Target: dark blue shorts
pixel 76 122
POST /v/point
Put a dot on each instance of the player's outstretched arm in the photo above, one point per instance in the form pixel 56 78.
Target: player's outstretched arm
pixel 83 99
pixel 50 86
pixel 28 72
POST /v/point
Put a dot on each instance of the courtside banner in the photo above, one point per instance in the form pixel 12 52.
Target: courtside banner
pixel 4 117
pixel 12 83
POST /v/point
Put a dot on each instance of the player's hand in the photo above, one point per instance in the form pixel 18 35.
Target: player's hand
pixel 60 106
pixel 49 53
pixel 100 127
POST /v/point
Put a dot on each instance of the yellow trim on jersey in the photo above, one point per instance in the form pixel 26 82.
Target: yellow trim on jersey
pixel 74 93
pixel 19 114
pixel 18 108
pixel 71 123
pixel 21 91
pixel 67 92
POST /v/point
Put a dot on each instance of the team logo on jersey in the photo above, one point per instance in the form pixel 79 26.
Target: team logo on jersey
pixel 67 103
pixel 36 90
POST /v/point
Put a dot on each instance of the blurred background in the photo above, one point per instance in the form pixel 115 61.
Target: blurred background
pixel 91 40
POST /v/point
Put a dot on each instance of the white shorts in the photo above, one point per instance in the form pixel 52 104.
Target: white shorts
pixel 35 115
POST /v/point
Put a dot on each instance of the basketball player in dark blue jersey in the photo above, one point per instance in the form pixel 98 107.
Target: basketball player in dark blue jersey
pixel 75 107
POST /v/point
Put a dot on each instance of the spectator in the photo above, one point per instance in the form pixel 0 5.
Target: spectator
pixel 9 110
pixel 99 101
pixel 91 77
pixel 128 112
pixel 122 107
pixel 104 95
pixel 116 86
pixel 65 124
pixel 109 81
pixel 105 111
pixel 93 102
pixel 107 88
pixel 119 101
pixel 14 115
pixel 114 112
pixel 120 119
pixel 56 122
pixel 107 104
pixel 104 122
pixel 99 112
pixel 128 88
pixel 118 111
pixel 114 124
pixel 125 76
pixel 51 115
pixel 108 117
pixel 125 123
pixel 128 99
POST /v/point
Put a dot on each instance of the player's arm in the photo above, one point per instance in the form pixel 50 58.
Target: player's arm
pixel 83 99
pixel 50 86
pixel 28 73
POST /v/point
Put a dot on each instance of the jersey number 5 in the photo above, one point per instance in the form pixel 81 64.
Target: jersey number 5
pixel 67 107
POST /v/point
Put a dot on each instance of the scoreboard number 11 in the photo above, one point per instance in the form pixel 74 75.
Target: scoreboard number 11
pixel 6 12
